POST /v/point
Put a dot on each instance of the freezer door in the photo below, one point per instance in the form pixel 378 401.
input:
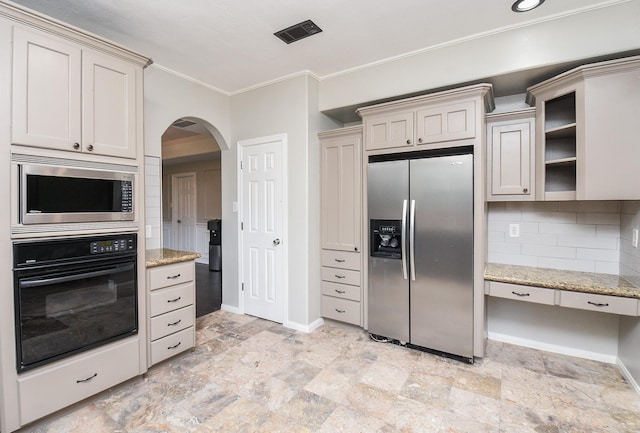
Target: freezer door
pixel 441 298
pixel 388 288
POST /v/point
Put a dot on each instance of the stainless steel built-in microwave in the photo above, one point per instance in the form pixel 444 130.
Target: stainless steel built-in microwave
pixel 55 194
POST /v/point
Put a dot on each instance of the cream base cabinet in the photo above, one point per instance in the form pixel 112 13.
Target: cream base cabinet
pixel 341 189
pixel 341 225
pixel 511 155
pixel 171 306
pixel 69 97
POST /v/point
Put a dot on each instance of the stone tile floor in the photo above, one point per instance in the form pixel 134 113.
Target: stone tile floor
pixel 250 375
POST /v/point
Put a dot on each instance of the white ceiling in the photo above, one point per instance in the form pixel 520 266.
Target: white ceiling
pixel 229 44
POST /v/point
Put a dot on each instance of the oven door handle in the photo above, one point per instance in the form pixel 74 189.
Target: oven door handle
pixel 58 280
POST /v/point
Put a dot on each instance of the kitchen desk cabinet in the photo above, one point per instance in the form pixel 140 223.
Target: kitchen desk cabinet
pixel 586 132
pixel 511 155
pixel 171 310
pixel 69 97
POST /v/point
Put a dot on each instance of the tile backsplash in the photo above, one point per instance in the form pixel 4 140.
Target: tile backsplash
pixel 578 236
pixel 629 255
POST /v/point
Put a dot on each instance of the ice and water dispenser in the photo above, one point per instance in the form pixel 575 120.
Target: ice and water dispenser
pixel 385 238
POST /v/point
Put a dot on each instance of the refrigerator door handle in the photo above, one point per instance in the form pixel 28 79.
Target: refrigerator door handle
pixel 412 240
pixel 404 232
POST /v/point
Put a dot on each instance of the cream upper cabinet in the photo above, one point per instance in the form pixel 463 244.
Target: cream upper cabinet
pixel 46 91
pixel 510 155
pixel 109 102
pixel 423 122
pixel 68 97
pixel 586 132
pixel 341 188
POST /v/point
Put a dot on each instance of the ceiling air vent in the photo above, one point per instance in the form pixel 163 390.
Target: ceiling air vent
pixel 181 123
pixel 298 31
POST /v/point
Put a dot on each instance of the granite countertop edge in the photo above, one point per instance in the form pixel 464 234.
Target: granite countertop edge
pixel 166 256
pixel 585 282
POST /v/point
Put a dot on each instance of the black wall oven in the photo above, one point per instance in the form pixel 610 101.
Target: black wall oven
pixel 72 295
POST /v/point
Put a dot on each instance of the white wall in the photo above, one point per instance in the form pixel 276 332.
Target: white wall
pixel 595 33
pixel 168 97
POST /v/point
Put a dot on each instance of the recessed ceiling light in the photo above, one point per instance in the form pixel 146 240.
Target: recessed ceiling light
pixel 526 5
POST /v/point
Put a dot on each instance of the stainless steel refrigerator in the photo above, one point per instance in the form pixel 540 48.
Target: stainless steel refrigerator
pixel 420 287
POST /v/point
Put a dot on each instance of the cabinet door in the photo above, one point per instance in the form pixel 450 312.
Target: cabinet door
pixel 510 161
pixel 109 105
pixel 446 123
pixel 384 132
pixel 341 193
pixel 46 91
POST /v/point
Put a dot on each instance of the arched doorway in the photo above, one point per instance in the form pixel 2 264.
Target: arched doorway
pixel 191 198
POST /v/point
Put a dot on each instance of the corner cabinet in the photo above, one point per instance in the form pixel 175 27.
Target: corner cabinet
pixel 341 223
pixel 70 97
pixel 586 132
pixel 511 155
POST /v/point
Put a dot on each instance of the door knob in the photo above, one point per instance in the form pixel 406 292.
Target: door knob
pixel 276 242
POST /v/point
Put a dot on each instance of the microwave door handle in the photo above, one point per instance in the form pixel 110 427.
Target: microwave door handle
pixel 59 280
pixel 403 255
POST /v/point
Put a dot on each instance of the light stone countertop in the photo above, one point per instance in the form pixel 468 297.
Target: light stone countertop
pixel 165 256
pixel 586 282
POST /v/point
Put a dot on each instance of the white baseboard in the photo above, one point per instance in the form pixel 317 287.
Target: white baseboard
pixel 627 375
pixel 563 350
pixel 305 328
pixel 230 308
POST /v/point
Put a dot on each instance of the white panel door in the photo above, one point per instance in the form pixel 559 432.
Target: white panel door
pixel 262 229
pixel 184 211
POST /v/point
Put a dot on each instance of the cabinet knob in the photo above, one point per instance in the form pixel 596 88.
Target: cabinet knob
pixel 90 147
pixel 419 140
pixel 408 141
pixel 76 145
pixel 525 190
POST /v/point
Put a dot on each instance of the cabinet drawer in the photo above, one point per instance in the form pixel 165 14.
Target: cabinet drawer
pixel 344 291
pixel 172 345
pixel 519 292
pixel 603 303
pixel 342 276
pixel 341 259
pixel 47 390
pixel 171 322
pixel 343 310
pixel 170 275
pixel 172 298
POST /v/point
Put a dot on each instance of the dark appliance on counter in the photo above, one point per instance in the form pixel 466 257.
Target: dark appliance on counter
pixel 72 295
pixel 215 244
pixel 420 290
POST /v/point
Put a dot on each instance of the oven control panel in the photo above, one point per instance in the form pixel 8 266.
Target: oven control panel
pixel 111 246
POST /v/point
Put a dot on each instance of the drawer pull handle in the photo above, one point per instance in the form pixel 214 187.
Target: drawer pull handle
pixel 340 260
pixel 598 304
pixel 174 323
pixel 342 292
pixel 175 346
pixel 340 311
pixel 174 300
pixel 520 294
pixel 173 277
pixel 340 276
pixel 87 379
